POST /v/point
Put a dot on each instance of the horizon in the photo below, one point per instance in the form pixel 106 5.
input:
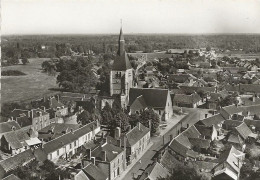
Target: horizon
pixel 27 17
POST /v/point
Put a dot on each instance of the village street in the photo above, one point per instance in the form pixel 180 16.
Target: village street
pixel 192 116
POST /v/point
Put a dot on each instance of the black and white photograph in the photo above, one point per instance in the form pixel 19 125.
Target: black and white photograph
pixel 130 90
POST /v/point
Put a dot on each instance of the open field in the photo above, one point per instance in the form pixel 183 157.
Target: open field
pixel 33 85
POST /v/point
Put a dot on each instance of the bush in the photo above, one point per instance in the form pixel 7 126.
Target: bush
pixel 12 73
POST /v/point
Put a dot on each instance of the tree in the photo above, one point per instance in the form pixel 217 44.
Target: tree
pixel 120 120
pixel 25 61
pixel 85 117
pixel 77 76
pixel 183 173
pixel 149 115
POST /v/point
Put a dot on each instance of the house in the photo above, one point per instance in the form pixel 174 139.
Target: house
pixel 35 118
pixel 157 99
pixel 68 144
pixel 176 51
pixel 54 107
pixel 91 172
pixel 55 130
pixel 183 100
pixel 207 132
pixel 229 165
pixel 231 124
pixel 15 161
pixel 111 159
pixel 254 125
pixel 216 120
pixel 17 141
pixel 8 126
pixel 215 98
pixel 228 111
pixel 154 171
pixel 245 132
pixel 137 140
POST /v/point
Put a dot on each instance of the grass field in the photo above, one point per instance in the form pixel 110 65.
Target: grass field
pixel 33 85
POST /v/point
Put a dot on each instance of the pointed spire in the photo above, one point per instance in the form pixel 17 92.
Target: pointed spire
pixel 121 36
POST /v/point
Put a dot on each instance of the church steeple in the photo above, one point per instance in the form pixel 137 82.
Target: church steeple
pixel 121 42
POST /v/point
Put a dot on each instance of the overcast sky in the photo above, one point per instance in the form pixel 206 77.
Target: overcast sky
pixel 139 16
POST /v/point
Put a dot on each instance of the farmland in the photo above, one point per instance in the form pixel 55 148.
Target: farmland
pixel 33 85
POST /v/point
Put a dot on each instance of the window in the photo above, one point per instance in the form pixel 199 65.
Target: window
pixel 159 112
pixel 75 143
pixel 114 165
pixel 70 146
pixel 118 160
pixel 122 157
pixel 58 153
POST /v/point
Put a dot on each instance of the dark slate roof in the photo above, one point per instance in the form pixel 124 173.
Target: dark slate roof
pixel 139 103
pixel 17 160
pixel 93 172
pixel 254 109
pixel 111 150
pixel 250 122
pixel 204 131
pixel 234 138
pixel 182 150
pixel 134 135
pixel 213 120
pixel 232 123
pixel 158 171
pixel 202 143
pixel 155 98
pixel 121 63
pixel 7 126
pixel 169 161
pixel 191 132
pixel 11 177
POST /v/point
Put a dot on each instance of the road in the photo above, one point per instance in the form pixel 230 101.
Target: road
pixel 159 142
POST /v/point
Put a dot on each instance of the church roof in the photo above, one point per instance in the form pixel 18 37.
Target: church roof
pixel 121 36
pixel 121 63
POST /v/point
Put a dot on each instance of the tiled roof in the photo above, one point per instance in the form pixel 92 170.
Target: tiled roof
pixel 94 172
pixel 232 109
pixel 155 98
pixel 179 78
pixel 243 130
pixel 191 89
pixel 121 63
pixel 191 132
pixel 232 123
pixel 250 122
pixel 213 120
pixel 202 143
pixel 139 103
pixel 68 138
pixel 59 128
pixel 187 99
pixel 182 150
pixel 11 177
pixel 169 161
pixel 111 150
pixel 17 160
pixel 16 139
pixel 7 126
pixel 235 138
pixel 158 171
pixel 134 135
pixel 204 131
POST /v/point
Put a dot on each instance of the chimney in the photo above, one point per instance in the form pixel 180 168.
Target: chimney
pixel 58 98
pixel 103 155
pixel 43 108
pixel 117 132
pixel 119 143
pixel 13 128
pixel 71 130
pixel 93 160
pixel 139 126
pixel 253 98
pixel 88 154
pixel 29 114
pixel 206 115
pixel 150 124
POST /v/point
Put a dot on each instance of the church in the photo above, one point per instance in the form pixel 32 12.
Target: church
pixel 121 75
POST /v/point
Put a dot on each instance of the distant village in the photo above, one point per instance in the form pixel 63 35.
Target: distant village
pixel 201 113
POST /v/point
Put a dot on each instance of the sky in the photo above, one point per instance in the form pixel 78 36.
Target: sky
pixel 138 16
